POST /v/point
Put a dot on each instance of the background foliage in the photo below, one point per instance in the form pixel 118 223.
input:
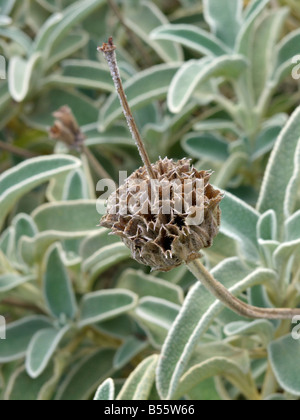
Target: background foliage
pixel 204 82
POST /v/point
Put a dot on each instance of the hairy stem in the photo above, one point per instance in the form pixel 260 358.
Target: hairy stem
pixel 110 55
pixel 98 168
pixel 17 150
pixel 231 302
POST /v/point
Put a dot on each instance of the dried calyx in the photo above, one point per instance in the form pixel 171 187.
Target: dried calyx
pixel 66 129
pixel 156 231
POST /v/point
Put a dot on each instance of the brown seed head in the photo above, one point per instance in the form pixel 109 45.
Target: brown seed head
pixel 159 227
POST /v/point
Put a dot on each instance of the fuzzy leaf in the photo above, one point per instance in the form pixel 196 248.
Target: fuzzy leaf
pixel 85 74
pixel 224 24
pixel 284 354
pixel 157 317
pixel 239 222
pixel 264 44
pixel 129 350
pixel 145 285
pixel 105 305
pixel 41 349
pixel 280 169
pixel 11 281
pixel 58 288
pixel 106 391
pixel 19 335
pixel 197 314
pixel 139 384
pixel 70 216
pixel 83 380
pixel 106 257
pixel 196 72
pixel 142 20
pixel 287 49
pixel 141 90
pixel 191 37
pixel 206 146
pixel 22 387
pixel 26 176
pixel 76 187
pixel 22 75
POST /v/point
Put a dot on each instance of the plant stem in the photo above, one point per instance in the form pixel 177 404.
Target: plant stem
pixel 110 55
pixel 22 305
pixel 95 164
pixel 231 302
pixel 17 150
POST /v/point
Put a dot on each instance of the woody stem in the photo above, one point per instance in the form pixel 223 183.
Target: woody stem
pixel 110 55
pixel 231 302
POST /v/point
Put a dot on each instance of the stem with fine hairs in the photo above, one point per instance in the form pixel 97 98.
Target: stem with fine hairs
pixel 231 302
pixel 109 51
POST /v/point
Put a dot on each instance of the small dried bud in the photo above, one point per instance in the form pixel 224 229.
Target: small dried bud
pixel 161 226
pixel 66 128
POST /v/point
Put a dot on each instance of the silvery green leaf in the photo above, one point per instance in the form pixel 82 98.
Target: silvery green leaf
pixel 191 37
pixel 212 360
pixel 143 20
pixel 82 73
pixel 21 387
pixel 67 216
pixel 6 6
pixel 18 36
pixel 197 314
pixel 26 176
pixel 196 72
pixel 284 354
pixel 224 24
pixel 76 187
pixel 250 15
pixel 82 381
pixel 139 384
pixel 58 289
pixel 292 227
pixel 266 140
pixel 23 75
pixel 128 351
pixel 287 49
pixel 41 349
pixel 106 391
pixel 105 304
pixel 280 169
pixel 141 89
pixel 206 146
pixel 156 317
pixel 262 328
pixel 144 285
pixel 19 335
pixel 11 281
pixel 72 15
pixel 239 222
pixel 291 196
pixel 266 36
pixel 267 226
pixel 103 259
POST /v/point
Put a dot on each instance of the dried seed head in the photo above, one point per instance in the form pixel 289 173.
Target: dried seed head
pixel 159 219
pixel 66 128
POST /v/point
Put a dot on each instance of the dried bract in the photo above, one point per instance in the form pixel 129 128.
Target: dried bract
pixel 166 225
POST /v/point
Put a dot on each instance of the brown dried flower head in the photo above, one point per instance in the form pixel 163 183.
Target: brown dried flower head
pixel 66 128
pixel 164 239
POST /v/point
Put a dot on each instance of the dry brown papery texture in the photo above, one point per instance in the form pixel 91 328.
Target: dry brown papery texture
pixel 164 241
